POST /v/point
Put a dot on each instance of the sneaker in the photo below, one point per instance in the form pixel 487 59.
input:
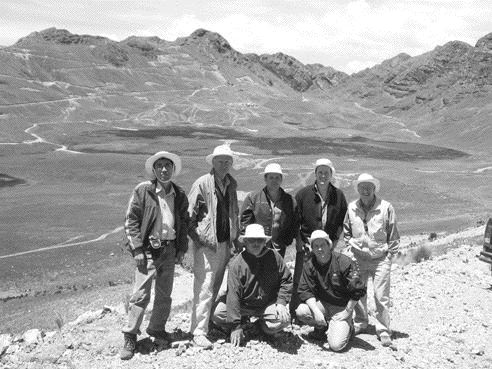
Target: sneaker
pixel 202 341
pixel 385 339
pixel 129 346
pixel 318 334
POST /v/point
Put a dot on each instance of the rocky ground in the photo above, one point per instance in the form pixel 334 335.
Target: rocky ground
pixel 441 317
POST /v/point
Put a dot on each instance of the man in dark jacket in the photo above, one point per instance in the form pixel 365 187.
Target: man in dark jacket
pixel 329 289
pixel 259 284
pixel 273 208
pixel 318 206
pixel 156 228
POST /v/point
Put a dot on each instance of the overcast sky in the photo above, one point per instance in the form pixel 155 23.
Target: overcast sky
pixel 347 35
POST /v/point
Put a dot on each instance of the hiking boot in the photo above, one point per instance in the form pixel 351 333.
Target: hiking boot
pixel 202 341
pixel 159 335
pixel 129 346
pixel 385 339
pixel 318 334
pixel 360 330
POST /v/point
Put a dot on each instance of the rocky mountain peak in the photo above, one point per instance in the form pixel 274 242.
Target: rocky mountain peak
pixel 62 36
pixel 288 69
pixel 203 36
pixel 485 43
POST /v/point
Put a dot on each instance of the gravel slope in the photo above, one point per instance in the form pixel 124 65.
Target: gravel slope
pixel 441 317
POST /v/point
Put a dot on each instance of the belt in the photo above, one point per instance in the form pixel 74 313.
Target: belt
pixel 158 244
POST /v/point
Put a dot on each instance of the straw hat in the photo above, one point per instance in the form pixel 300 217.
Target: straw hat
pixel 254 231
pixel 367 178
pixel 149 163
pixel 221 150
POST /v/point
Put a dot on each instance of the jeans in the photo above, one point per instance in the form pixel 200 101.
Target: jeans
pixel 270 324
pixel 339 331
pixel 162 270
pixel 208 269
pixel 378 271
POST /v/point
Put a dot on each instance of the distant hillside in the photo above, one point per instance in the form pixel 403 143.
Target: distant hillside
pixel 440 97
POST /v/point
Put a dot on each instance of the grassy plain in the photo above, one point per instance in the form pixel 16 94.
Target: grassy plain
pixel 73 204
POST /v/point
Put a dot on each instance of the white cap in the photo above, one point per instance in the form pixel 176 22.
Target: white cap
pixel 319 234
pixel 149 163
pixel 222 150
pixel 273 168
pixel 325 162
pixel 367 178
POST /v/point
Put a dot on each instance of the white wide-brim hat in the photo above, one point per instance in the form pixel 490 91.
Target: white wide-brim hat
pixel 319 234
pixel 325 162
pixel 149 163
pixel 254 231
pixel 273 168
pixel 223 150
pixel 367 178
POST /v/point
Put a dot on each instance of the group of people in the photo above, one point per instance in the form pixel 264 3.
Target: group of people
pixel 339 248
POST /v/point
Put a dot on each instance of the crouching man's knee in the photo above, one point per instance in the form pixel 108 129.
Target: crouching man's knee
pixel 339 333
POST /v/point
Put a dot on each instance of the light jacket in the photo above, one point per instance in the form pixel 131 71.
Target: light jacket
pixel 203 210
pixel 256 209
pixel 382 231
pixel 309 211
pixel 144 210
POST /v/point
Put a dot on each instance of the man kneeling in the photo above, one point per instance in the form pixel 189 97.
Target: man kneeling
pixel 329 288
pixel 259 284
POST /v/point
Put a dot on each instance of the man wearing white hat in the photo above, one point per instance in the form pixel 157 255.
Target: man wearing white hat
pixel 214 225
pixel 273 208
pixel 329 288
pixel 318 206
pixel 156 228
pixel 259 284
pixel 371 236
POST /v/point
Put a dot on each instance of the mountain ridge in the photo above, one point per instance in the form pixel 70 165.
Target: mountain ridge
pixel 429 96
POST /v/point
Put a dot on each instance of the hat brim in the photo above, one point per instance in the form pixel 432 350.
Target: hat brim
pixel 149 163
pixel 243 238
pixel 210 157
pixel 310 240
pixel 374 181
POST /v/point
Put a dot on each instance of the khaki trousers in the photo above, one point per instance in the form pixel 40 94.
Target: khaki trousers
pixel 208 269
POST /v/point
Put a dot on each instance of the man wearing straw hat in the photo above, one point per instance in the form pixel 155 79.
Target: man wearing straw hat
pixel 329 289
pixel 156 228
pixel 259 284
pixel 273 208
pixel 371 236
pixel 214 225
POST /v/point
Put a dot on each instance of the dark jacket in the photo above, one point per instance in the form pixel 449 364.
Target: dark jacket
pixel 255 283
pixel 143 211
pixel 308 209
pixel 336 282
pixel 256 209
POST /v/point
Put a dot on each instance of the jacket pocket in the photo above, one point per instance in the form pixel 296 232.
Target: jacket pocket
pixel 205 232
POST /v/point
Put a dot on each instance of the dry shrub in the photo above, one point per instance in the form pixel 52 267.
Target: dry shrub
pixel 421 253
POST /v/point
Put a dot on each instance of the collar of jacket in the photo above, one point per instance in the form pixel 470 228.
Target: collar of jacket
pixel 232 181
pixel 330 190
pixel 375 207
